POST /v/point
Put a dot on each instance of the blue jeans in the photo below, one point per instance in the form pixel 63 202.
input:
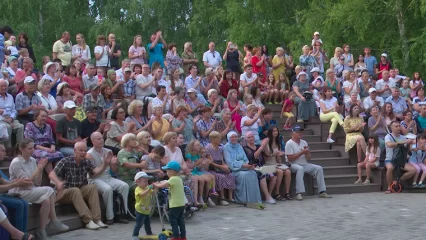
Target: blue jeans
pixel 3 233
pixel 18 211
pixel 67 151
pixel 177 220
pixel 142 219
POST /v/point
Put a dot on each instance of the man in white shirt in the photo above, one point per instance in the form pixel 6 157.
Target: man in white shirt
pixel 247 79
pixel 373 100
pixel 119 72
pixel 212 58
pixel 298 154
pixel 144 83
pixel 384 85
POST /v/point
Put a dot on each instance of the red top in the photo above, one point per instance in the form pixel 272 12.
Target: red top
pixel 259 69
pixel 382 66
pixel 289 105
pixel 225 87
pixel 74 82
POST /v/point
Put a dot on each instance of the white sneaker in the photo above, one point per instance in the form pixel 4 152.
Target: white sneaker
pixel 299 197
pixel 101 224
pixel 329 140
pixel 210 203
pixel 200 200
pixel 92 226
pixel 270 201
pixel 224 203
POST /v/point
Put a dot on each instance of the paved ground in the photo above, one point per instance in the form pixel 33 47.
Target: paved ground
pixel 354 216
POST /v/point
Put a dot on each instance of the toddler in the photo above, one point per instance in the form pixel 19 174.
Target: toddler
pixel 316 38
pixel 143 195
pixel 287 111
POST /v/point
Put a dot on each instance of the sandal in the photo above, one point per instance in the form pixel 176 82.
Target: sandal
pixel 278 197
pixel 27 236
pixel 287 196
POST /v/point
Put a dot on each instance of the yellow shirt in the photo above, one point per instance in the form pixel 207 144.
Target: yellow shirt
pixel 143 204
pixel 164 128
pixel 64 52
pixel 280 69
pixel 176 192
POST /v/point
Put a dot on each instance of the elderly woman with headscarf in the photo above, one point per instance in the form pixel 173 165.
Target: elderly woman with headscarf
pixel 306 106
pixel 246 183
pixel 111 81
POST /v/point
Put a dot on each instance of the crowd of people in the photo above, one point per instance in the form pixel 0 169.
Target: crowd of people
pixel 94 125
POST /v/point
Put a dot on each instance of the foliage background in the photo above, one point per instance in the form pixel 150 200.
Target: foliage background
pixel 394 26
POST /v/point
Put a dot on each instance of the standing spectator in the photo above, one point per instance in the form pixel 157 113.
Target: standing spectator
pixel 336 58
pixel 102 52
pixel 233 57
pixel 156 49
pixel 81 50
pixel 28 102
pixel 193 80
pixel 144 83
pixel 370 61
pixel 349 58
pixel 209 82
pixel 415 84
pixel 23 43
pixel 174 80
pixel 137 53
pixel 248 49
pixel 172 58
pixel 279 63
pixel 114 51
pixel 188 56
pixel 298 153
pixel 320 55
pixel 384 64
pixel 105 183
pixel 25 167
pixel 212 58
pixel 53 76
pixel 307 61
pixel 5 33
pixel 62 49
pixel 68 130
pixel 360 66
pixel 74 171
pixel 258 62
pixel 8 115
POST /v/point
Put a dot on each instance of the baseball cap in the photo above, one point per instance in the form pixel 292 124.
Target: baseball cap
pixel 50 64
pixel 92 109
pixel 11 58
pixel 141 175
pixel 372 90
pixel 316 33
pixel 69 104
pixel 127 70
pixel 28 79
pixel 93 86
pixel 209 70
pixel 384 55
pixel 297 129
pixel 191 90
pixel 172 165
pixel 315 69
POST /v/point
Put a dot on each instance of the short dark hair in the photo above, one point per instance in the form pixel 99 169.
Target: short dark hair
pixel 115 111
pixel 159 87
pixel 266 111
pixel 159 150
pixel 7 29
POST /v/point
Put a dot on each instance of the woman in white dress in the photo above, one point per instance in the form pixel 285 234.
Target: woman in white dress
pixel 25 167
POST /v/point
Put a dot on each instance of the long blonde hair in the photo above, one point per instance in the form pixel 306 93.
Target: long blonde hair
pixel 83 41
pixel 134 40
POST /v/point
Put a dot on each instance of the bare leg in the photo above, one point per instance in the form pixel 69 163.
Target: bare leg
pixel 195 185
pixel 410 171
pixel 48 168
pixel 389 174
pixel 14 233
pixel 201 183
pixel 44 213
pixel 52 211
pixel 287 180
pixel 368 168
pixel 264 189
pixel 272 184
pixel 359 168
pixel 230 194
pixel 280 175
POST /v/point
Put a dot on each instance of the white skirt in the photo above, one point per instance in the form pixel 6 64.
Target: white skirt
pixel 35 194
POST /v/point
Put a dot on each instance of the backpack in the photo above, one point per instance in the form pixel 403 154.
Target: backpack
pixel 399 156
pixel 118 204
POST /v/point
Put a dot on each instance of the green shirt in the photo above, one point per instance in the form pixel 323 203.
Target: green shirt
pixel 176 192
pixel 127 174
pixel 143 204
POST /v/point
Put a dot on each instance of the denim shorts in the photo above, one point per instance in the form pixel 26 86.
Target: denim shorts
pixel 389 161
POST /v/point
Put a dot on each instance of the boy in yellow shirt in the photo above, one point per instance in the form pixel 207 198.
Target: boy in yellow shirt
pixel 176 199
pixel 143 195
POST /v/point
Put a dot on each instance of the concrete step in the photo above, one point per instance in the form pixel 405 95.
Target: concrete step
pixel 312 138
pixel 340 179
pixel 325 153
pixel 330 161
pixel 320 146
pixel 351 188
pixel 335 170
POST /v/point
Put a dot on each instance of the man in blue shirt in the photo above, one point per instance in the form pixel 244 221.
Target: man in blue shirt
pixel 5 33
pixel 370 61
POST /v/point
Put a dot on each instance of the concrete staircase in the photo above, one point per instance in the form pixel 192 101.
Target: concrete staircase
pixel 340 170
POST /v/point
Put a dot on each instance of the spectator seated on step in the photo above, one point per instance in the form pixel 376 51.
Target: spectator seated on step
pixel 265 123
pixel 105 183
pixel 118 129
pixel 71 178
pixel 27 102
pixel 298 154
pixel 92 124
pixel 17 207
pixel 354 126
pixel 421 120
pixel 68 130
pixel 392 140
pixel 306 106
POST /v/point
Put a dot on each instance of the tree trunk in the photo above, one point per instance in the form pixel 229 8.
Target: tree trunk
pixel 399 12
pixel 40 23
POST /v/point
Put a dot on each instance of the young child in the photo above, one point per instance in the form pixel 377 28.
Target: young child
pixel 406 91
pixel 152 162
pixel 283 86
pixel 316 38
pixel 371 159
pixel 286 111
pixel 11 48
pixel 176 199
pixel 143 195
pixel 418 155
pixel 272 92
pixel 23 53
